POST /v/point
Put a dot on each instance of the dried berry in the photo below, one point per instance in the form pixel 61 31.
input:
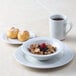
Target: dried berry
pixel 43 45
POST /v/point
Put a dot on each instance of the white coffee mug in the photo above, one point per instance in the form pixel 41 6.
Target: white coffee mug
pixel 57 26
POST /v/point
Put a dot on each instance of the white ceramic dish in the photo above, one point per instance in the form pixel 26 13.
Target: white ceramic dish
pixel 14 41
pixel 58 44
pixel 61 60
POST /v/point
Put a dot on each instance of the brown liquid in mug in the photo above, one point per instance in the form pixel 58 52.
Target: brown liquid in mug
pixel 58 19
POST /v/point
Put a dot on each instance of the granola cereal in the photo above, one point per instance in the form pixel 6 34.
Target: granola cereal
pixel 42 49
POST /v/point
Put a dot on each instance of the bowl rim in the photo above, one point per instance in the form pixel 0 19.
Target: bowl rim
pixel 41 38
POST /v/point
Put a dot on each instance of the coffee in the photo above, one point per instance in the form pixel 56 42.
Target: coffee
pixel 58 19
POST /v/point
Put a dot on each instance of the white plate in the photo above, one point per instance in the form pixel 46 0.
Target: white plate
pixel 14 41
pixel 61 60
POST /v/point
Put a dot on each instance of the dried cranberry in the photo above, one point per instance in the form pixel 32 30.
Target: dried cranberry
pixel 43 45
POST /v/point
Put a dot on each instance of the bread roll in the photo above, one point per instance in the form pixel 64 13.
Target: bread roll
pixel 23 36
pixel 12 33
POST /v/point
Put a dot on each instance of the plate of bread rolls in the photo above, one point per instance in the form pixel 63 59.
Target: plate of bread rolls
pixel 16 36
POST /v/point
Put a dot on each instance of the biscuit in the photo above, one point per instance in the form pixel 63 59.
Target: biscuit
pixel 23 36
pixel 12 33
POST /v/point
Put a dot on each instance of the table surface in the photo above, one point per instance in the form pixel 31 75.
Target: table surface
pixel 33 15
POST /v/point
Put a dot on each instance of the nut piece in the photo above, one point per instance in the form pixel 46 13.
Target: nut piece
pixel 37 50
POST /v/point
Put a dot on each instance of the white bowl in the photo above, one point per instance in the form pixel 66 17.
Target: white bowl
pixel 38 40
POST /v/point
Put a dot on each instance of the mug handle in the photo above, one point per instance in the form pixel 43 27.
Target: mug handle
pixel 70 27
